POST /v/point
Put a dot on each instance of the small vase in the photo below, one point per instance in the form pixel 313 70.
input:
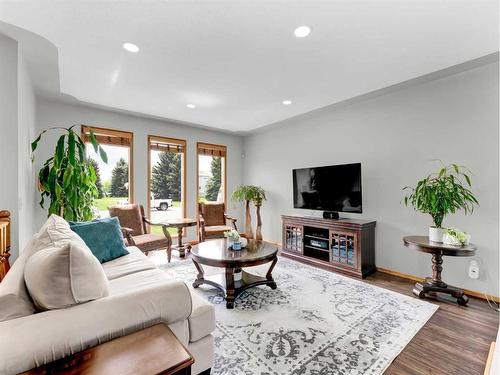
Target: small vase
pixel 436 234
pixel 236 245
pixel 244 242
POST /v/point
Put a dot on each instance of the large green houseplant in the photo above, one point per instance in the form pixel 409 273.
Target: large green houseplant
pixel 256 195
pixel 68 178
pixel 441 194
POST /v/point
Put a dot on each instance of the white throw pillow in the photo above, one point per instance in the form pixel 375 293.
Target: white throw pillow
pixel 55 232
pixel 62 276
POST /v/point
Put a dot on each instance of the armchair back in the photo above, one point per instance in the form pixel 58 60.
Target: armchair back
pixel 130 216
pixel 212 213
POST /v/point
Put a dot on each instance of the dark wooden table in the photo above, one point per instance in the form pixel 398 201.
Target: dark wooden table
pixel 438 250
pixel 154 350
pixel 216 253
pixel 180 224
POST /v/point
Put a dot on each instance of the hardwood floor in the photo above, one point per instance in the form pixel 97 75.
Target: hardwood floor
pixel 455 341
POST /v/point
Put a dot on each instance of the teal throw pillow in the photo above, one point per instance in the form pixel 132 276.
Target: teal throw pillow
pixel 103 237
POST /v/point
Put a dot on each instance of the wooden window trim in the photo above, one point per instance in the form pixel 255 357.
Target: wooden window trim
pixel 183 144
pixel 211 149
pixel 223 150
pixel 119 138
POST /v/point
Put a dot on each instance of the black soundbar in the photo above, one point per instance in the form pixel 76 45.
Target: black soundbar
pixel 330 215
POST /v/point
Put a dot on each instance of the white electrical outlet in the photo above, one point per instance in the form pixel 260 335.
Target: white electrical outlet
pixel 474 269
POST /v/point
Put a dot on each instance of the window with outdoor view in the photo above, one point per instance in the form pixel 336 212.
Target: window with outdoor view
pixel 166 187
pixel 211 172
pixel 114 178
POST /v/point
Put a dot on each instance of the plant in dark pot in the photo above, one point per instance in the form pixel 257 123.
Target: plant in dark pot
pixel 441 194
pixel 68 178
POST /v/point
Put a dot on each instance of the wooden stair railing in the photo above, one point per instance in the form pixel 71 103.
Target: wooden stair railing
pixel 4 243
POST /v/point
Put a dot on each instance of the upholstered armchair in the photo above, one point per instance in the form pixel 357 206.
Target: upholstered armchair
pixel 213 220
pixel 135 228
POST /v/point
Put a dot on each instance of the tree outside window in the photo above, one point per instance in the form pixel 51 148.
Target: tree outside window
pixel 166 163
pixel 112 182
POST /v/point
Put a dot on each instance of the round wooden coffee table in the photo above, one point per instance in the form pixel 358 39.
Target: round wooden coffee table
pixel 438 250
pixel 180 224
pixel 215 253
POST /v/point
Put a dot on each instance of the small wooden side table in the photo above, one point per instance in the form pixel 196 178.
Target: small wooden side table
pixel 180 224
pixel 154 350
pixel 438 250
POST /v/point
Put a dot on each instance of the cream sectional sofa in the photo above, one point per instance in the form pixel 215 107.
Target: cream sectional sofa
pixel 140 295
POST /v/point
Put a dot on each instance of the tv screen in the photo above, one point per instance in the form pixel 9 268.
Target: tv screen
pixel 331 188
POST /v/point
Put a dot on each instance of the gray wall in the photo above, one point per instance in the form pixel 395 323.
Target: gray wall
pixel 395 136
pixel 52 113
pixel 8 133
pixel 17 118
pixel 26 171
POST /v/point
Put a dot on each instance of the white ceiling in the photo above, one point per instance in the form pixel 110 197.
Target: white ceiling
pixel 238 60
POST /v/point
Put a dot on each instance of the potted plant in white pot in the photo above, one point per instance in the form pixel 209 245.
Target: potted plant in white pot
pixel 440 194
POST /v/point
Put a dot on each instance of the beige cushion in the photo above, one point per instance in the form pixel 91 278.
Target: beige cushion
pixel 135 261
pixel 15 301
pixel 55 232
pixel 13 306
pixel 58 277
pixel 138 281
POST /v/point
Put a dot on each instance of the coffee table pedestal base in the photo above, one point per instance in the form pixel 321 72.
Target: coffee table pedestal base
pixel 421 289
pixel 231 288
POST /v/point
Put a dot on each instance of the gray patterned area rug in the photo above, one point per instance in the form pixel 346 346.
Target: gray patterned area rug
pixel 315 323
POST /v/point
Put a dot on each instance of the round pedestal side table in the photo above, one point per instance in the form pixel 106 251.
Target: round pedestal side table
pixel 438 250
pixel 180 224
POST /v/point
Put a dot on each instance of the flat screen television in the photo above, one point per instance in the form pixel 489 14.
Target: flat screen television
pixel 334 188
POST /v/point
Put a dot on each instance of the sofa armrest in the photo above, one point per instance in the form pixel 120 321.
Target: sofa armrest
pixel 35 340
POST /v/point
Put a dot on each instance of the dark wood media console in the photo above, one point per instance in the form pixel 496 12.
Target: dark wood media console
pixel 344 245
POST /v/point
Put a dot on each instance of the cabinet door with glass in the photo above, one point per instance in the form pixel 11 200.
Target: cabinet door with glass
pixel 343 247
pixel 293 237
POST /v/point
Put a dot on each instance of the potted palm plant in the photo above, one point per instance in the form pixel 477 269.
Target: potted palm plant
pixel 440 194
pixel 68 178
pixel 248 194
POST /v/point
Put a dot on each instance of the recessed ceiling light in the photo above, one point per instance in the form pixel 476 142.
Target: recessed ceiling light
pixel 302 31
pixel 287 102
pixel 131 47
pixel 190 105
